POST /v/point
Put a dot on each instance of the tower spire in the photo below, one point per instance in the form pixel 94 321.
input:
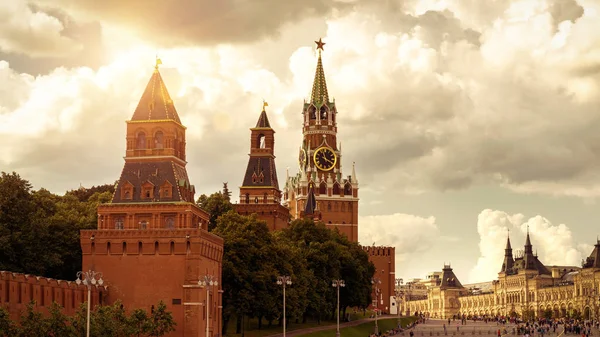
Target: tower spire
pixel 156 103
pixel 319 93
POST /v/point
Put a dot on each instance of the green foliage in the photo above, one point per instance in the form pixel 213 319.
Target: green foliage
pixel 32 323
pixel 7 327
pixel 161 321
pixel 105 321
pixel 309 252
pixel 39 231
pixel 215 205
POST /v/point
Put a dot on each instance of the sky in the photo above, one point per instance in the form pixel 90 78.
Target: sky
pixel 465 118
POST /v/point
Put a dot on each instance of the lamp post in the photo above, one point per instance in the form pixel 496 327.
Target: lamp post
pixel 398 292
pixel 337 284
pixel 208 281
pixel 283 281
pixel 376 282
pixel 88 278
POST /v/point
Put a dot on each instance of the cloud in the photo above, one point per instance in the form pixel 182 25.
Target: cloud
pixel 554 244
pixel 204 22
pixel 411 235
pixel 35 33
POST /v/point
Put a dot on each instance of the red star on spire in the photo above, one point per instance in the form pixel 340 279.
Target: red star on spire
pixel 320 44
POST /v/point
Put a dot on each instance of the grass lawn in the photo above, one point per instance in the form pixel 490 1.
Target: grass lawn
pixel 251 326
pixel 363 330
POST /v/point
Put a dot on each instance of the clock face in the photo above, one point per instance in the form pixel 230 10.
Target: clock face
pixel 302 159
pixel 325 159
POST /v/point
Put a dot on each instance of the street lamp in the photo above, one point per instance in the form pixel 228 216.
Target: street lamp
pixel 337 284
pixel 208 281
pixel 283 281
pixel 376 282
pixel 88 278
pixel 399 293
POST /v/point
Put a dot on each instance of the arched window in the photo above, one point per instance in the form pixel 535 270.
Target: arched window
pixel 124 248
pixel 247 198
pixel 155 247
pixel 323 112
pixel 323 188
pixel 188 248
pixel 347 189
pixel 141 140
pixel 140 247
pixel 312 112
pixel 256 200
pixel 119 223
pixel 172 248
pixel 329 206
pixel 265 197
pixel 158 140
pixel 170 223
pixel 93 247
pixel 336 189
pixel 108 248
pixel 260 141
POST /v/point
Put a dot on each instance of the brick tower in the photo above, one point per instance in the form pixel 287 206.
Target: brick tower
pixel 320 162
pixel 321 179
pixel 151 243
pixel 260 192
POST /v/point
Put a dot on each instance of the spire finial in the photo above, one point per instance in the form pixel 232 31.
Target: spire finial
pixel 320 45
pixel 157 62
pixel 265 104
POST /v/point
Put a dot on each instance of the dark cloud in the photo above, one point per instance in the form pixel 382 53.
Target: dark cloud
pixel 203 22
pixel 565 10
pixel 86 35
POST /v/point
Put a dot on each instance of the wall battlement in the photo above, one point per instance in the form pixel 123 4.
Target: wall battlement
pixel 17 290
pixel 379 250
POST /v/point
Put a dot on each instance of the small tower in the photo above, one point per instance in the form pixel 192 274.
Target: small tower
pixel 507 265
pixel 260 192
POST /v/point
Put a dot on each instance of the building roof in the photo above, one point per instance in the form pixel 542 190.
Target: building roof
pixel 311 201
pixel 263 120
pixel 157 174
pixel 593 261
pixel 261 171
pixel 449 279
pixel 155 103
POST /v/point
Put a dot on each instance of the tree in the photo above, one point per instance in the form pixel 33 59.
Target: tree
pixel 7 327
pixel 58 323
pixel 32 323
pixel 249 284
pixel 215 205
pixel 160 321
pixel 138 322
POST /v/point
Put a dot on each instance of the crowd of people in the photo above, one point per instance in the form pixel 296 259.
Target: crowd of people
pixel 512 326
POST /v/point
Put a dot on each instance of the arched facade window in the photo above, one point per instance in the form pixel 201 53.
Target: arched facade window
pixel 312 112
pixel 170 223
pixel 140 247
pixel 336 189
pixel 323 188
pixel 347 189
pixel 141 140
pixel 159 140
pixel 156 247
pixel 260 141
pixel 172 247
pixel 323 113
pixel 247 198
pixel 124 248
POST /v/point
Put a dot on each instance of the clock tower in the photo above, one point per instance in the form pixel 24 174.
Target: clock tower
pixel 320 163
